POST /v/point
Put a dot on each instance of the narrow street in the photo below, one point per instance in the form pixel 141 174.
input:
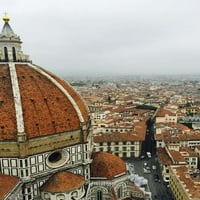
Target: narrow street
pixel 157 187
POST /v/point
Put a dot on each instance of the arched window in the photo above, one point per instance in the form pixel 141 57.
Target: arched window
pixel 6 53
pixel 119 192
pixel 60 197
pixel 74 195
pixel 99 195
pixel 14 54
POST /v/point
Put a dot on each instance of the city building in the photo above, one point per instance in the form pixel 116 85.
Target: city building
pixel 123 144
pixel 46 150
pixel 165 116
pixel 183 183
pixel 176 135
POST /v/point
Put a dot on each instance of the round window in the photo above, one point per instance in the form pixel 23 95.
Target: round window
pixel 57 159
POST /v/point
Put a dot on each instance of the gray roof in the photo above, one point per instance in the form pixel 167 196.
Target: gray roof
pixel 7 30
pixel 8 35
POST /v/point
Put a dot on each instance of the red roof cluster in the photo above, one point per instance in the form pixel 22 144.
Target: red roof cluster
pixel 162 112
pixel 107 165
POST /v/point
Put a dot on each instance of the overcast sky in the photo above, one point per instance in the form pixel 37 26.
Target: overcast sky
pixel 109 37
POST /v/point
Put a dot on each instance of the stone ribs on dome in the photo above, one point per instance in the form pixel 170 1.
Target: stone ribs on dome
pixel 46 109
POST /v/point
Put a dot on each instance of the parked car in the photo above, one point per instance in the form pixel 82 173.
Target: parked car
pixel 149 154
pixel 146 171
pixel 148 168
pixel 153 167
pixel 145 164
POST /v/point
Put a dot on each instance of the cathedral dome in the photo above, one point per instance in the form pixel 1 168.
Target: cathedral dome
pixel 35 103
pixel 106 165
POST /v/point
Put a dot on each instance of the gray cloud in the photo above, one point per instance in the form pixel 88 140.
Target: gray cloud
pixel 109 36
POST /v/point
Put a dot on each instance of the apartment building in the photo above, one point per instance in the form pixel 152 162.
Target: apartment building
pixel 123 144
pixel 184 184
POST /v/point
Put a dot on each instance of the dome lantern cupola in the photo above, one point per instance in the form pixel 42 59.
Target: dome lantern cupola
pixel 10 44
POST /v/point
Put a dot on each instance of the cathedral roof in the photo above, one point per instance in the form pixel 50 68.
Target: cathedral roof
pixel 106 165
pixel 7 183
pixel 37 103
pixel 63 182
pixel 33 101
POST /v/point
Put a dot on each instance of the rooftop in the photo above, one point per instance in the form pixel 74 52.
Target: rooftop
pixel 106 165
pixel 7 183
pixel 62 182
pixel 191 185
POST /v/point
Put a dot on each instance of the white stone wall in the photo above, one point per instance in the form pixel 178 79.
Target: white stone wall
pixel 36 167
pixel 19 53
pixel 121 186
pixel 76 194
pixel 122 149
pixel 37 164
pixel 166 119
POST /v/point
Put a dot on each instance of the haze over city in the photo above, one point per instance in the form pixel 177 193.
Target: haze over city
pixel 126 125
pixel 114 37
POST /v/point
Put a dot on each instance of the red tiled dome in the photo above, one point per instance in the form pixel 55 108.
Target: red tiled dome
pixel 48 105
pixel 63 182
pixel 107 165
pixel 7 183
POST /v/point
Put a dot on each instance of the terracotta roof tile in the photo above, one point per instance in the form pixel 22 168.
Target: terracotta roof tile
pixel 188 182
pixel 163 156
pixel 189 151
pixel 46 109
pixel 138 134
pixel 62 182
pixel 7 183
pixel 162 112
pixel 8 126
pixel 176 155
pixel 74 95
pixel 107 165
pixel 168 136
pixel 118 137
